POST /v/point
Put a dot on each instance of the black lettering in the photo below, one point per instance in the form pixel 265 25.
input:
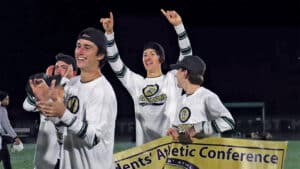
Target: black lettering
pixel 274 159
pixel 249 157
pixel 257 156
pixel 265 158
pixel 134 163
pixel 221 155
pixel 160 154
pixel 201 153
pixel 191 154
pixel 141 161
pixel 175 152
pixel 242 156
pixel 148 160
pixel 235 156
pixel 211 154
pixel 126 166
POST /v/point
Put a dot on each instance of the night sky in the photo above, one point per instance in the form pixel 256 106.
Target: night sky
pixel 251 47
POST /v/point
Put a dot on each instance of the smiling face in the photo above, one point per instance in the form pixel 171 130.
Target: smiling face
pixel 151 61
pixel 86 55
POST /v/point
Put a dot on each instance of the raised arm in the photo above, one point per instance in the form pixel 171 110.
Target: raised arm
pixel 112 51
pixel 183 41
pixel 128 78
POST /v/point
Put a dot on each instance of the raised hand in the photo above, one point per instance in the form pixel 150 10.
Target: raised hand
pixel 50 70
pixel 172 16
pixel 108 23
pixel 40 89
pixel 54 107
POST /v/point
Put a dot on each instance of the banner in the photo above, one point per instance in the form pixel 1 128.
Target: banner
pixel 206 153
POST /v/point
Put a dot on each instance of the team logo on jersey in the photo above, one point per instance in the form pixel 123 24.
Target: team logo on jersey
pixel 173 163
pixel 184 114
pixel 150 90
pixel 152 96
pixel 73 104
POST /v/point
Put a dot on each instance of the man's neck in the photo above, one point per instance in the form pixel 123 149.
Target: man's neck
pixel 191 88
pixel 86 76
pixel 154 74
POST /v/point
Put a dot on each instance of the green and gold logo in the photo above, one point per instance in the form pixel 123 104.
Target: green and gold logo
pixel 150 90
pixel 184 114
pixel 73 104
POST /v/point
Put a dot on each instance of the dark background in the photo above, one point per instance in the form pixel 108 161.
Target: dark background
pixel 251 47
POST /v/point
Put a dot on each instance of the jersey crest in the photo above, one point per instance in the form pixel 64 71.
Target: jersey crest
pixel 73 104
pixel 152 95
pixel 184 114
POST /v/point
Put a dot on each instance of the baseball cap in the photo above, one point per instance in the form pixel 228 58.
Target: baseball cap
pixel 67 59
pixel 158 49
pixel 3 94
pixel 96 36
pixel 194 64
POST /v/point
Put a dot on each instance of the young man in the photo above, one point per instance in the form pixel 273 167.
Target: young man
pixel 47 155
pixel 88 110
pixel 200 112
pixel 65 66
pixel 7 133
pixel 155 96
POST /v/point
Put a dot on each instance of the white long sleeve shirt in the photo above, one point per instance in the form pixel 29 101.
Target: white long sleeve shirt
pixel 205 111
pixel 154 99
pixel 90 120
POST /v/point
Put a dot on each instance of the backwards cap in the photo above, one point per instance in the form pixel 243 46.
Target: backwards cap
pixel 96 36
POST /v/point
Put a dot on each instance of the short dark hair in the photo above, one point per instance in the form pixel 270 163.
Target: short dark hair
pixel 195 78
pixel 67 59
pixel 158 49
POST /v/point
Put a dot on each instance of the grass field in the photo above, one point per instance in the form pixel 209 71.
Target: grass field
pixel 24 159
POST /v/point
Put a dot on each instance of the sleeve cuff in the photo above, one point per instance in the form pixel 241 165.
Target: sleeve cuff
pixel 198 127
pixel 179 28
pixel 67 117
pixel 71 121
pixel 110 37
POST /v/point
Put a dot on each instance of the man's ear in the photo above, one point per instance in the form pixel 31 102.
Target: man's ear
pixel 100 57
pixel 186 75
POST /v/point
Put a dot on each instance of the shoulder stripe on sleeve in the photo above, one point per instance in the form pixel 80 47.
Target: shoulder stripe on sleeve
pixel 186 51
pixel 215 127
pixel 113 58
pixel 122 72
pixel 182 35
pixel 31 100
pixel 82 131
pixel 110 43
pixel 229 121
pixel 96 140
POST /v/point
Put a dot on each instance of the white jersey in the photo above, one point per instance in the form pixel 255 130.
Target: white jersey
pixel 47 149
pixel 90 120
pixel 154 99
pixel 205 110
